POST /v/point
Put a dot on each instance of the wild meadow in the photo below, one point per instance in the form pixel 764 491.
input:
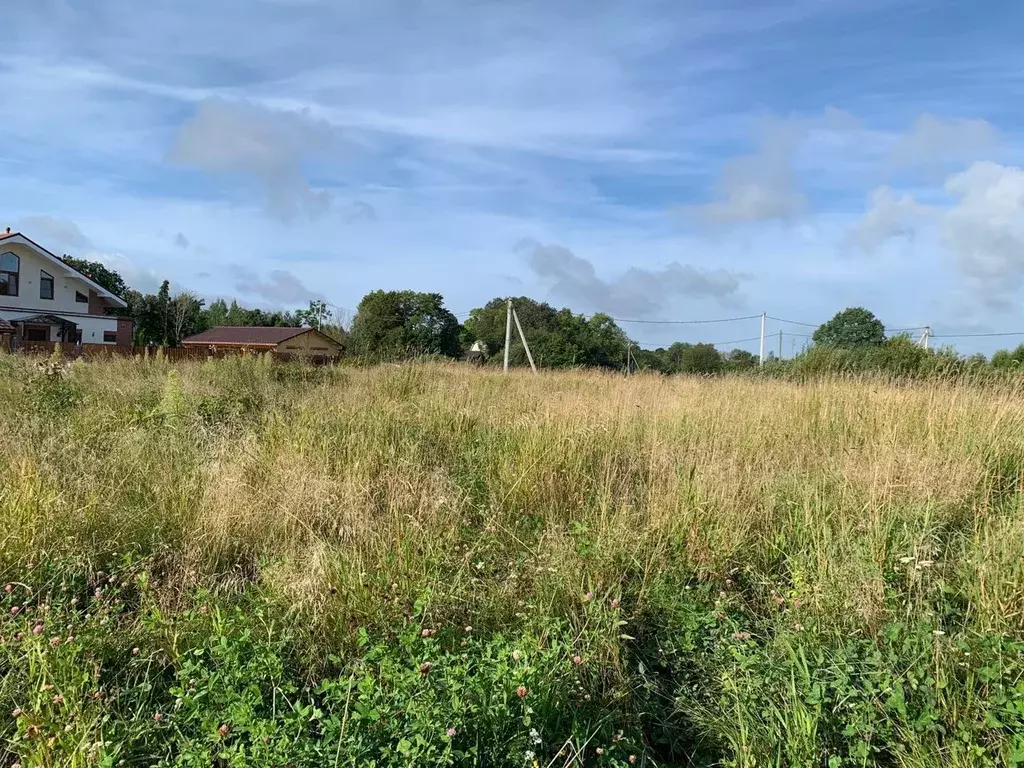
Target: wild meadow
pixel 242 563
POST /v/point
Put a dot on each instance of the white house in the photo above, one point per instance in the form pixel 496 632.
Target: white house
pixel 46 300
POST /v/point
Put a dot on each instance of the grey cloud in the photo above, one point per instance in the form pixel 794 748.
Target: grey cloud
pixel 933 141
pixel 764 186
pixel 237 137
pixel 360 211
pixel 279 287
pixel 54 233
pixel 637 292
pixel 761 186
pixel 984 230
pixel 887 216
pixel 180 240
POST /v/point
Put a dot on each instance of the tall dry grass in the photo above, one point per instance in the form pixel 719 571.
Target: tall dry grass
pixel 488 490
pixel 350 494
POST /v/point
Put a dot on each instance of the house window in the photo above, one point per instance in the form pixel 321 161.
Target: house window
pixel 110 337
pixel 45 285
pixel 9 267
pixel 37 333
pixel 81 298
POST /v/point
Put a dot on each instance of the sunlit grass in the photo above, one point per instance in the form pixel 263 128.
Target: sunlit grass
pixel 802 515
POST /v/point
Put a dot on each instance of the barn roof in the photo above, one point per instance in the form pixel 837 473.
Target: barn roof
pixel 245 335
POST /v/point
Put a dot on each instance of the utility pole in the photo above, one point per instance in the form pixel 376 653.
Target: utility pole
pixel 628 345
pixel 926 337
pixel 780 344
pixel 515 316
pixel 764 318
pixel 508 331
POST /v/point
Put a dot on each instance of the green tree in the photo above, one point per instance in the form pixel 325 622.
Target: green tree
pixel 186 317
pixel 315 316
pixel 740 360
pixel 163 310
pixel 98 273
pixel 558 338
pixel 1005 358
pixel 390 323
pixel 851 328
pixel 700 358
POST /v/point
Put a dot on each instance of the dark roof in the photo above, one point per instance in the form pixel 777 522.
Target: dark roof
pixel 245 335
pixel 5 327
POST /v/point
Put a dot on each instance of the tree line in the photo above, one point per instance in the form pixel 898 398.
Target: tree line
pixel 391 325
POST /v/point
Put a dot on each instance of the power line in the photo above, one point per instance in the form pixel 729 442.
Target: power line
pixel 712 343
pixel 792 322
pixel 685 322
pixel 974 335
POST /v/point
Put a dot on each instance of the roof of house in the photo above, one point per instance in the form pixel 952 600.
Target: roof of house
pixel 5 327
pixel 246 335
pixel 22 239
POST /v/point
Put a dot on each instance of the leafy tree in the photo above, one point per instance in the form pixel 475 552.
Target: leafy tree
pixel 389 323
pixel 557 337
pixel 1006 358
pixel 851 328
pixel 315 316
pixel 186 317
pixel 740 360
pixel 99 274
pixel 700 358
pixel 163 309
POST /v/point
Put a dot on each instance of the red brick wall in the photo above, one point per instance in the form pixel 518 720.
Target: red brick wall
pixel 124 330
pixel 95 303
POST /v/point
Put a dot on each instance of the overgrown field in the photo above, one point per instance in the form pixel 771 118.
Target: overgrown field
pixel 236 563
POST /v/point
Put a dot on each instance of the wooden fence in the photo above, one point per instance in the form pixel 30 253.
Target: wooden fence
pixel 172 354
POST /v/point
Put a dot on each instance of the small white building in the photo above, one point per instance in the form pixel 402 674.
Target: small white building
pixel 44 299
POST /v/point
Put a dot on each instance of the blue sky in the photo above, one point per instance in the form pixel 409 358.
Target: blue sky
pixel 655 160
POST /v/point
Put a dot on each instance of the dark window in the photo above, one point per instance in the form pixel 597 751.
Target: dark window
pixel 81 298
pixel 110 337
pixel 9 267
pixel 37 333
pixel 45 285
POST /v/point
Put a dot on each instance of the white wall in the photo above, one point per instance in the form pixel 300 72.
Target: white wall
pixel 64 284
pixel 92 326
pixel 28 303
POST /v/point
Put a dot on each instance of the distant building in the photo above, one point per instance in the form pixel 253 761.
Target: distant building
pixel 301 343
pixel 477 353
pixel 45 299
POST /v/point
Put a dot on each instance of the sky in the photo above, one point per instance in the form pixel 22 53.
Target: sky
pixel 655 160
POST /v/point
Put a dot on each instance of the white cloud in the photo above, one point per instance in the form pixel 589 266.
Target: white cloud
pixel 636 292
pixel 280 286
pixel 932 142
pixel 764 186
pixel 985 229
pixel 237 137
pixel 137 278
pixel 360 211
pixel 887 216
pixel 761 186
pixel 54 234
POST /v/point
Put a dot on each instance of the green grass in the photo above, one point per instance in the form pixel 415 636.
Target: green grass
pixel 237 563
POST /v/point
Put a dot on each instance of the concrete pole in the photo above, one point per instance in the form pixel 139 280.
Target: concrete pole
pixel 508 331
pixel 764 318
pixel 515 316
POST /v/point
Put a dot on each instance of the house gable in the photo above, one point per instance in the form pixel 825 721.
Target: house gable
pixel 42 260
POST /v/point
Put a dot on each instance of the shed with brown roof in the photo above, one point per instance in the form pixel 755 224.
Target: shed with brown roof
pixel 296 342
